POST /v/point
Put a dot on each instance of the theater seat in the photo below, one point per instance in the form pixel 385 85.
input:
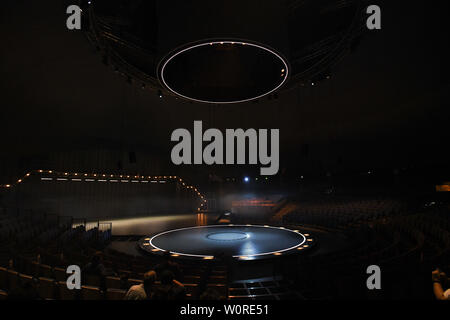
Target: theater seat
pixel 13 279
pixel 60 274
pixel 47 288
pixel 113 283
pixel 191 279
pixel 115 294
pixel 3 295
pixel 45 271
pixel 221 289
pixel 132 282
pixel 35 269
pixel 91 280
pixel 65 293
pixel 217 280
pixel 191 290
pixel 3 278
pixel 91 293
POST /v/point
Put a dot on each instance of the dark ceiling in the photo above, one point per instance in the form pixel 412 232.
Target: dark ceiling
pixel 385 104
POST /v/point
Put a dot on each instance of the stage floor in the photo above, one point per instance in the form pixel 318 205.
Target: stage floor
pixel 142 226
pixel 244 242
pixel 127 232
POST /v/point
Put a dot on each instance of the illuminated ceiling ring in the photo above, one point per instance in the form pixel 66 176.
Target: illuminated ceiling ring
pixel 260 49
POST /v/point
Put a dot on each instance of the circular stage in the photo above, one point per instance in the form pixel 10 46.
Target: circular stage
pixel 243 242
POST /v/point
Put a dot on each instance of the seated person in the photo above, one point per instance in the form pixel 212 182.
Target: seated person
pixel 439 280
pixel 169 264
pixel 97 268
pixel 143 291
pixel 170 289
pixel 211 294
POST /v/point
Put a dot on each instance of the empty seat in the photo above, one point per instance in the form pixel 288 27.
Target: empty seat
pixel 47 288
pixel 191 290
pixel 115 294
pixel 60 274
pixel 24 278
pixel 91 280
pixel 65 293
pixel 3 278
pixel 113 283
pixel 91 293
pixel 3 295
pixel 217 280
pixel 13 280
pixel 35 268
pixel 45 271
pixel 191 279
pixel 221 289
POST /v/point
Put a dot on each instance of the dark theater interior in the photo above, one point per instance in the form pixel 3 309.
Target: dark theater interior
pixel 247 152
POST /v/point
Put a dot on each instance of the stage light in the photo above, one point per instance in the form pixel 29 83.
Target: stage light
pixel 160 95
pixel 246 179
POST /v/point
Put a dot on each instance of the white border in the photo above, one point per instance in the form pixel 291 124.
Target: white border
pixel 240 42
pixel 233 225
